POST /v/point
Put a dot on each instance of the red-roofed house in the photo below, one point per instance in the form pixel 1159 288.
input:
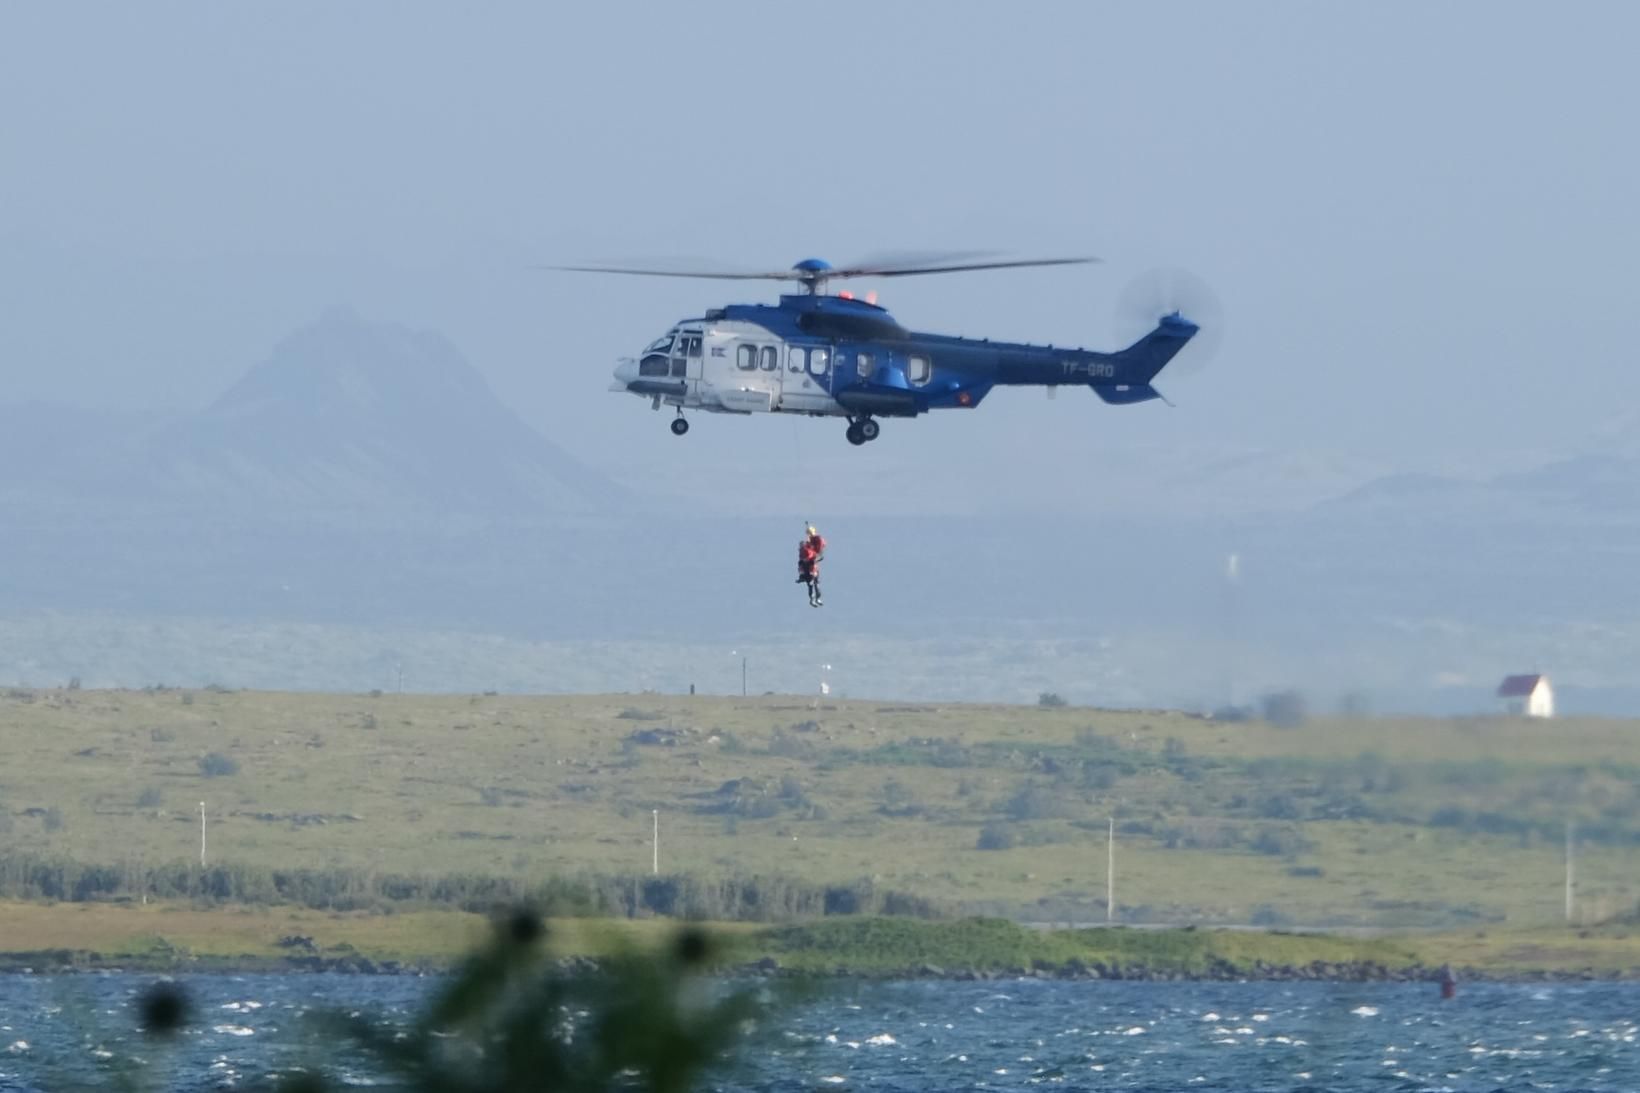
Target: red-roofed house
pixel 1527 696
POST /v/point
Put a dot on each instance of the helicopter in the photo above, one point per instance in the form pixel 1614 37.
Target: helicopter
pixel 825 355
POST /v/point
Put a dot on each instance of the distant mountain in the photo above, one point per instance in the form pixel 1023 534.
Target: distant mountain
pixel 1408 494
pixel 1619 434
pixel 1169 481
pixel 1585 488
pixel 345 415
pixel 1589 483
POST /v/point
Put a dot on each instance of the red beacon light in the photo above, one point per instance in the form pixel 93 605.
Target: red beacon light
pixel 845 295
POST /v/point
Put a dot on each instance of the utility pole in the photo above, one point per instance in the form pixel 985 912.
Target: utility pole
pixel 655 843
pixel 743 659
pixel 1571 878
pixel 1110 873
pixel 202 834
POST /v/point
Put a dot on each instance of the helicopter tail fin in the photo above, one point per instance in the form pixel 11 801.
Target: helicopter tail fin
pixel 1139 363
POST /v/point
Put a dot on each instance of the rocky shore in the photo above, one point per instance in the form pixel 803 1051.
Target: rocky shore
pixel 1219 971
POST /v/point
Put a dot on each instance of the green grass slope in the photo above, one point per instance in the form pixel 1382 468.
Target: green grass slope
pixel 1340 822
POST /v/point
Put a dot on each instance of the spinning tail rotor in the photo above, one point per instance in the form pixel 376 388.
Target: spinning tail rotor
pixel 1161 293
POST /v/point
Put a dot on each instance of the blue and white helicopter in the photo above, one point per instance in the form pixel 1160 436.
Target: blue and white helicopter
pixel 838 356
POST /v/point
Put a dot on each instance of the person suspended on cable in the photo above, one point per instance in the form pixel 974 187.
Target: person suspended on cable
pixel 810 551
pixel 805 566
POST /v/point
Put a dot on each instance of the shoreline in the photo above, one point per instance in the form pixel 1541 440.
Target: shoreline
pixel 61 962
pixel 169 939
pixel 92 964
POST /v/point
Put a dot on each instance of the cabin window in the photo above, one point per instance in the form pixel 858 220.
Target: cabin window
pixel 769 358
pixel 746 357
pixel 794 358
pixel 918 369
pixel 680 368
pixel 819 361
pixel 694 344
pixel 653 365
pixel 865 364
pixel 661 344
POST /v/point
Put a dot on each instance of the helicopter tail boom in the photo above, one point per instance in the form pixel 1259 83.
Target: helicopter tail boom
pixel 1138 364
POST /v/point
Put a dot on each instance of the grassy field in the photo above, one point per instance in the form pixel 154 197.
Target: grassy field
pixel 1370 822
pixel 166 933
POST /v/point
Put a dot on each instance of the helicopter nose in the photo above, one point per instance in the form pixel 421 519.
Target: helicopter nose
pixel 625 372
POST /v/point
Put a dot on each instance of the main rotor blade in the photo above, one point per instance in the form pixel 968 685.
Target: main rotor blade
pixel 904 259
pixel 782 275
pixel 957 267
pixel 898 266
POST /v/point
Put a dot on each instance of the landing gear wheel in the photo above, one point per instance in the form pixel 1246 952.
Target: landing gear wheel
pixel 680 426
pixel 869 429
pixel 855 435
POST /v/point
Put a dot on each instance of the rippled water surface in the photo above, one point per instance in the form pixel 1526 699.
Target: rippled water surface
pixel 60 1032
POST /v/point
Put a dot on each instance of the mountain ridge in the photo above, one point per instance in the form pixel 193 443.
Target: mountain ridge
pixel 345 414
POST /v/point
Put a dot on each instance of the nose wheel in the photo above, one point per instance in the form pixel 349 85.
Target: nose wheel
pixel 862 431
pixel 680 425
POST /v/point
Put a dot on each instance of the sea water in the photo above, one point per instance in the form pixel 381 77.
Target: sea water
pixel 61 1032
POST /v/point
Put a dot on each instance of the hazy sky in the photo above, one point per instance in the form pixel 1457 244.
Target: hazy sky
pixel 1420 218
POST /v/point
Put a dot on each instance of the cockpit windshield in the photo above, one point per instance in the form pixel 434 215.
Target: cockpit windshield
pixel 663 343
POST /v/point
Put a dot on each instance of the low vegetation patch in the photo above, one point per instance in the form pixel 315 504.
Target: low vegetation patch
pixel 887 945
pixel 217 765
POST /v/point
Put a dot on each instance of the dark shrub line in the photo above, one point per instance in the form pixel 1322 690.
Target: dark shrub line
pixel 733 898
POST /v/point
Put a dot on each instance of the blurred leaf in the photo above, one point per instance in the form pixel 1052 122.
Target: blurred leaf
pixel 511 1020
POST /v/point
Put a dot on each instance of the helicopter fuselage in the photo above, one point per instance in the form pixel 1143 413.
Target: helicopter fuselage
pixel 836 356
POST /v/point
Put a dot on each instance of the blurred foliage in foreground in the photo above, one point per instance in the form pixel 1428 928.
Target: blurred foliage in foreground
pixel 512 1018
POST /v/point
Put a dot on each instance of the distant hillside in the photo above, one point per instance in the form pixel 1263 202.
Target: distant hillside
pixel 1588 484
pixel 1584 488
pixel 345 415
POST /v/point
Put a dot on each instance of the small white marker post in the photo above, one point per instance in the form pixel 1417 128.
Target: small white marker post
pixel 202 834
pixel 655 843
